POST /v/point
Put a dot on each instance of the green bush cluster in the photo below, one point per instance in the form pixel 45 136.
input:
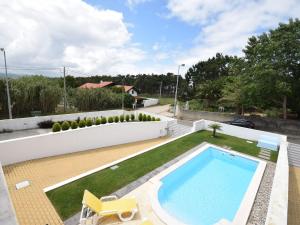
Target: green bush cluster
pixel 88 122
pixel 74 125
pixel 103 120
pixel 98 121
pixel 65 125
pixel 82 123
pixel 56 127
pixel 116 119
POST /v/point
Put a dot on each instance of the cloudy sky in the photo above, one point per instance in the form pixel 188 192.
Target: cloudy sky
pixel 130 36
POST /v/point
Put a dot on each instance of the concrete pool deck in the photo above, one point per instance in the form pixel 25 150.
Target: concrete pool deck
pixel 31 204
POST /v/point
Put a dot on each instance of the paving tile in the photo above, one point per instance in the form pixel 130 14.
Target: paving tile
pixel 31 204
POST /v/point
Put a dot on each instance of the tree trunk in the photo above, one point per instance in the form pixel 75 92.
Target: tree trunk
pixel 243 110
pixel 214 132
pixel 284 107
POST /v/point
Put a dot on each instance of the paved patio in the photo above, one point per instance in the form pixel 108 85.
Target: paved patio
pixel 294 196
pixel 31 203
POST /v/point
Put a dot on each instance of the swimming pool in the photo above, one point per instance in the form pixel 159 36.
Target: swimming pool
pixel 207 187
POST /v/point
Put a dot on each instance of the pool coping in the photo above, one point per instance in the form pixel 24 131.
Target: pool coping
pixel 242 214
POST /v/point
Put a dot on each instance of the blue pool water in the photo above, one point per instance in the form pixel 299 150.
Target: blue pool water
pixel 207 188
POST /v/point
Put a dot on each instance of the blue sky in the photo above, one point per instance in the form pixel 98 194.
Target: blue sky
pixel 131 36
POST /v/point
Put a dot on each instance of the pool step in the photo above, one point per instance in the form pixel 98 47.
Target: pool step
pixel 264 154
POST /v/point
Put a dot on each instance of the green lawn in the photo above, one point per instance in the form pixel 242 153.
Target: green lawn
pixel 67 199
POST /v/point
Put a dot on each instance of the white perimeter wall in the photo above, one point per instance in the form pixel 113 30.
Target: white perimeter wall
pixel 241 132
pixel 150 102
pixel 51 144
pixel 278 205
pixel 32 122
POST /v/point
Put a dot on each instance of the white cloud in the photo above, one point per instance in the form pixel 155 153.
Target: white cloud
pixel 132 3
pixel 226 25
pixel 69 32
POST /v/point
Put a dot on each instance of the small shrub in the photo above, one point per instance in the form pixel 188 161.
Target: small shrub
pixel 56 127
pixel 103 120
pixel 149 118
pixel 89 122
pixel 127 118
pixel 65 125
pixel 78 119
pixel 110 119
pixel 82 123
pixel 98 121
pixel 153 118
pixel 144 117
pixel 116 119
pixel 74 125
pixel 132 117
pixel 157 119
pixel 140 117
pixel 122 118
pixel 46 124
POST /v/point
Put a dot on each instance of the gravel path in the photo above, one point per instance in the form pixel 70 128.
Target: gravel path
pixel 260 207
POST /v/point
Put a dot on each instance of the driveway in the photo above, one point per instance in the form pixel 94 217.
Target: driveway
pixel 160 109
pixel 22 133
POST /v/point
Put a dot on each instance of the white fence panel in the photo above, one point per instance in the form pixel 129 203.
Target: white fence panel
pixel 51 144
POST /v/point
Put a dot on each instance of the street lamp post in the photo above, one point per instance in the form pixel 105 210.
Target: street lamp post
pixel 7 87
pixel 175 100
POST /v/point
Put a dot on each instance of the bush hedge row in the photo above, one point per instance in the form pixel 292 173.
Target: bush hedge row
pixel 87 122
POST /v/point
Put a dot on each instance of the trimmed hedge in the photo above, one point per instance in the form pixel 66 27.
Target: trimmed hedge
pixel 74 125
pixel 98 121
pixel 82 123
pixel 116 119
pixel 110 119
pixel 56 127
pixel 144 117
pixel 89 122
pixel 103 120
pixel 140 117
pixel 65 125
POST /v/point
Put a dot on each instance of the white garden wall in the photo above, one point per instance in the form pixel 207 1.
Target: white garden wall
pixel 51 144
pixel 32 122
pixel 245 133
pixel 278 205
pixel 150 101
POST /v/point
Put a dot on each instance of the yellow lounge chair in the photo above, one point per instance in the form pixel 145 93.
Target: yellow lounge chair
pixel 106 206
pixel 146 222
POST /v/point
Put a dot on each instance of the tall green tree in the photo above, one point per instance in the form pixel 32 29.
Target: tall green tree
pixel 273 65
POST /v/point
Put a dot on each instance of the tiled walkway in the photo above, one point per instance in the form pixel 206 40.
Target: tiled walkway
pixel 294 196
pixel 31 203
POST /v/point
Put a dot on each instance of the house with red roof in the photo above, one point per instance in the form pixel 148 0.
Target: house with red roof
pixel 97 85
pixel 128 89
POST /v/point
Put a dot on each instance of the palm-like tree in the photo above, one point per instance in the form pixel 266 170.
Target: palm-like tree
pixel 215 127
